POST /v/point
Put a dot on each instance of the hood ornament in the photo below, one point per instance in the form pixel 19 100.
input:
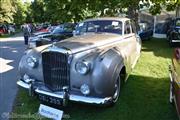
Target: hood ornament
pixel 53 45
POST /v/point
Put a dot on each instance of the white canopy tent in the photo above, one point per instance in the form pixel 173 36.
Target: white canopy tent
pixel 160 22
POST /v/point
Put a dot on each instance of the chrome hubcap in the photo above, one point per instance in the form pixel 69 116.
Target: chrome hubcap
pixel 117 90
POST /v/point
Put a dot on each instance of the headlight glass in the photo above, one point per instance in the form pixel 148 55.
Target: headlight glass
pixel 85 89
pixel 82 67
pixel 31 61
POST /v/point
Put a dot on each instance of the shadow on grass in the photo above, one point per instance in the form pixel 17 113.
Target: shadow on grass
pixel 158 47
pixel 142 98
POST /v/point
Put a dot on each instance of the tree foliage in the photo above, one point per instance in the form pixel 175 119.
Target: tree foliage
pixel 38 11
pixel 13 11
pixel 158 5
pixel 75 10
pixel 21 13
pixel 6 10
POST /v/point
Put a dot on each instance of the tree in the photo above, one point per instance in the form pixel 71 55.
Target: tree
pixel 66 10
pixel 21 9
pixel 38 11
pixel 6 10
pixel 169 5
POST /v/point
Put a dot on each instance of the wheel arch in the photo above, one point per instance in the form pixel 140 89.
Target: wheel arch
pixel 109 66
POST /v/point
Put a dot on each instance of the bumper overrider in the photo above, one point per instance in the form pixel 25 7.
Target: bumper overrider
pixel 64 95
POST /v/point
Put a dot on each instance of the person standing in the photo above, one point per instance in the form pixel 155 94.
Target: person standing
pixel 27 32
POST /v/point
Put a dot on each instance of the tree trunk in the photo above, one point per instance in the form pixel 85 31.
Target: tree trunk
pixel 178 11
pixel 133 15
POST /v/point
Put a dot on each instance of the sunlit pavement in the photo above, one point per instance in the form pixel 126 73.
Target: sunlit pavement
pixel 11 50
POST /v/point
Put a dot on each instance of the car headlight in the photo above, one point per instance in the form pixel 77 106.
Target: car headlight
pixel 31 61
pixel 82 67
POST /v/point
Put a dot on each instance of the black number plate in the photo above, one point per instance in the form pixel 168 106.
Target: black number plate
pixel 49 99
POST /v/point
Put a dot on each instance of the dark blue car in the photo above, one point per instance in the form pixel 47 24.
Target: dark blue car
pixel 173 33
pixel 61 32
pixel 146 31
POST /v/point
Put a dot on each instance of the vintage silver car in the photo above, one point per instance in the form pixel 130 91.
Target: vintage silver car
pixel 87 68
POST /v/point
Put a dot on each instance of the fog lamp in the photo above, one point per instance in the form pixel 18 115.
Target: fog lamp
pixel 85 89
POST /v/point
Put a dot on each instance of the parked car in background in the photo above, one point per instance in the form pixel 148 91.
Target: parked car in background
pixel 3 29
pixel 175 80
pixel 11 29
pixel 173 33
pixel 59 33
pixel 49 30
pixel 146 31
pixel 42 27
pixel 88 68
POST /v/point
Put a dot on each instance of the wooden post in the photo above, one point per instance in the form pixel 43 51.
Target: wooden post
pixel 178 11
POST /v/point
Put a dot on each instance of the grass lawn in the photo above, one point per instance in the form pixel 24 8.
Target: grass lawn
pixel 5 35
pixel 145 96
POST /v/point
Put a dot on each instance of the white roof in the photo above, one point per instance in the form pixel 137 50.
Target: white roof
pixel 109 18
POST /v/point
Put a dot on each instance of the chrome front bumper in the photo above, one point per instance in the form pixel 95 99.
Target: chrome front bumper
pixel 175 41
pixel 71 97
pixel 23 84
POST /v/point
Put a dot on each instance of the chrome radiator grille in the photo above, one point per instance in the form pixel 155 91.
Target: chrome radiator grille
pixel 55 70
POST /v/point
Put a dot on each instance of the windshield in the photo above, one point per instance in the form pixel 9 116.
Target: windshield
pixel 58 29
pixel 108 26
pixel 64 28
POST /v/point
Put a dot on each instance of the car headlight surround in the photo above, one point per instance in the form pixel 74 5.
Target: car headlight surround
pixel 82 67
pixel 31 62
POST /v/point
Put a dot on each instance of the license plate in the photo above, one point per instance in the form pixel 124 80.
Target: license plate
pixel 50 112
pixel 49 99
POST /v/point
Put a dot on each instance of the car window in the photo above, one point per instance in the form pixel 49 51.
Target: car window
pixel 127 27
pixel 109 26
pixel 68 28
pixel 58 29
pixel 80 28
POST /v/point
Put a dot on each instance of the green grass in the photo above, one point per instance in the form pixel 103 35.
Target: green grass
pixel 145 96
pixel 5 35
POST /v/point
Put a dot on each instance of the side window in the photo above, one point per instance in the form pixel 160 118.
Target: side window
pixel 68 28
pixel 81 28
pixel 91 27
pixel 127 27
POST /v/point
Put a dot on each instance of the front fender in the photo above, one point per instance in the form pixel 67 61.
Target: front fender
pixel 107 68
pixel 35 73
